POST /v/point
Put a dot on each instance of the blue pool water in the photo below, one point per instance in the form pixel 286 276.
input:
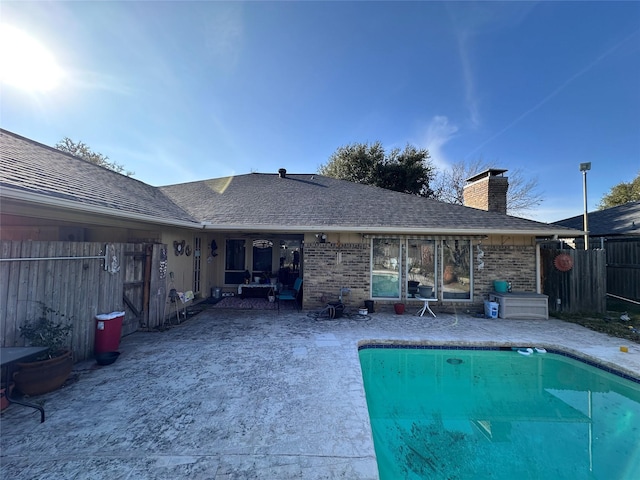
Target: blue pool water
pixel 496 414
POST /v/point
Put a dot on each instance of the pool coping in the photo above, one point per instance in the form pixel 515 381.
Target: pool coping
pixel 609 367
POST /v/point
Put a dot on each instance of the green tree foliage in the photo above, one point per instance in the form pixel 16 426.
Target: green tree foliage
pixel 82 150
pixel 408 171
pixel 522 195
pixel 621 194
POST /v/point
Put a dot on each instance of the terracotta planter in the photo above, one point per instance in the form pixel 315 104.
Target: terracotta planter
pixel 36 378
pixel 4 403
pixel 399 308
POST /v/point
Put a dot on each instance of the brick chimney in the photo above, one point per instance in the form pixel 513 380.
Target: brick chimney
pixel 487 191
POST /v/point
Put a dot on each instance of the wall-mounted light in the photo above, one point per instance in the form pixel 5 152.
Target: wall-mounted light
pixel 322 237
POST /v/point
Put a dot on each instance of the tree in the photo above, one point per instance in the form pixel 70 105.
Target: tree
pixel 621 194
pixel 407 171
pixel 82 150
pixel 522 195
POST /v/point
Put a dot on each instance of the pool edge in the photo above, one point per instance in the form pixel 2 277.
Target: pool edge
pixel 599 363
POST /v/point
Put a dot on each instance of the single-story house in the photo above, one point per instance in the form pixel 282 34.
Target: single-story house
pixel 621 221
pixel 340 237
pixel 617 231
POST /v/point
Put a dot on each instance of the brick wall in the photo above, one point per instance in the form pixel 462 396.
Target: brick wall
pixel 325 273
pixel 324 276
pixel 489 193
pixel 515 264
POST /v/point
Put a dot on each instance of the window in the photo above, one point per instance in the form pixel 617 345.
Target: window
pixel 385 268
pixel 262 256
pixel 421 265
pixel 456 269
pixel 234 261
pixel 290 254
pixel 444 265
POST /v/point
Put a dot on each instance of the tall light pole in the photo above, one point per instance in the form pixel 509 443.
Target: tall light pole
pixel 584 167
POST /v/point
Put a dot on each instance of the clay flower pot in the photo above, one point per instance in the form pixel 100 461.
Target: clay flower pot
pixel 399 308
pixel 4 393
pixel 36 378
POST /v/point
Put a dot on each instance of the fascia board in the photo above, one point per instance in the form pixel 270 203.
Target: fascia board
pixel 393 230
pixel 36 199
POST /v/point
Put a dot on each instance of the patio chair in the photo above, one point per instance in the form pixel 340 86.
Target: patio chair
pixel 291 295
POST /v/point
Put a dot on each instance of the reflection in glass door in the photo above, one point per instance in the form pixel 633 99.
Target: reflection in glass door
pixel 421 266
pixel 456 269
pixel 386 267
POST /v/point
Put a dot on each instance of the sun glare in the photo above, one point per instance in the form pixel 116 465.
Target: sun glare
pixel 25 63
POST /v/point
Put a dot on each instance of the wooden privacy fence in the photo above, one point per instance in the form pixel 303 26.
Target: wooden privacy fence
pixel 70 279
pixel 623 267
pixel 582 288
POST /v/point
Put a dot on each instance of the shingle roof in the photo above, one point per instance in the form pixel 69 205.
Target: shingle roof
pixel 311 200
pixel 34 168
pixel 621 220
pixel 257 201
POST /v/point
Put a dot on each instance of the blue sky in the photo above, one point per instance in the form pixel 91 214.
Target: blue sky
pixel 184 91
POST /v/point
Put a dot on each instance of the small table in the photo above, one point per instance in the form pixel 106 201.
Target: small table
pixel 256 290
pixel 425 307
pixel 12 355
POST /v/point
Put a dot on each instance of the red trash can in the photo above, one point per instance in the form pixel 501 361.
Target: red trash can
pixel 108 331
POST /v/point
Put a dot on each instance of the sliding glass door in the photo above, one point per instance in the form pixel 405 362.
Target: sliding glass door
pixel 385 268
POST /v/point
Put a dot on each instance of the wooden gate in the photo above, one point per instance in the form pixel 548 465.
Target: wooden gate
pixel 580 288
pixel 135 292
pixel 144 288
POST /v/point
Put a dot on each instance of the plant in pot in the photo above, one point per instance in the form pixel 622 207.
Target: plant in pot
pixel 49 371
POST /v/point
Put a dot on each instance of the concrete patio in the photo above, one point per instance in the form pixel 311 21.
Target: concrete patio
pixel 244 395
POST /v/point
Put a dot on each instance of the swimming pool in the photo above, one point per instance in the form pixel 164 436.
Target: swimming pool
pixel 442 413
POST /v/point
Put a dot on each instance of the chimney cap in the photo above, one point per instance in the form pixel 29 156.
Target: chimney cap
pixel 282 172
pixel 491 172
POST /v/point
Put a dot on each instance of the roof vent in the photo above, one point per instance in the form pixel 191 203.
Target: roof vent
pixel 282 173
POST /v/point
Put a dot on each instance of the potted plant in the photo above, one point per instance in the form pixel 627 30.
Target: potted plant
pixel 49 371
pixel 4 393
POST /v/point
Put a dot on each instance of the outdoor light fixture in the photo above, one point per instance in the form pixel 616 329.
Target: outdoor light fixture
pixel 584 167
pixel 322 237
